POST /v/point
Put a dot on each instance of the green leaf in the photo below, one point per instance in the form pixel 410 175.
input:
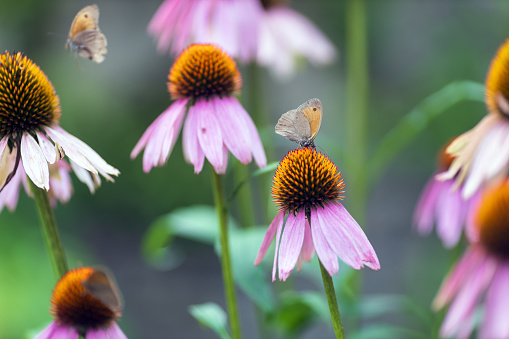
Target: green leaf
pixel 270 168
pixel 212 316
pixel 418 119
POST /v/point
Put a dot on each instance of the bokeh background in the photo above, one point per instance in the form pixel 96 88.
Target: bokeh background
pixel 415 48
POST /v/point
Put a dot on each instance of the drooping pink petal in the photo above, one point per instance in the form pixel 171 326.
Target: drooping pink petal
pixel 47 148
pixel 110 332
pixel 3 144
pixel 60 184
pixel 451 210
pixel 209 134
pixel 84 176
pixel 308 250
pixel 10 194
pixel 467 298
pixel 269 236
pixel 424 214
pixel 471 229
pixel 353 233
pixel 291 244
pixel 58 331
pixel 190 144
pixel 323 250
pixel 276 252
pixel 255 142
pixel 495 322
pixel 34 162
pixel 235 132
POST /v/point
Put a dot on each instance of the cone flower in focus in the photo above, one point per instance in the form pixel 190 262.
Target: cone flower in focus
pixel 307 187
pixel 202 82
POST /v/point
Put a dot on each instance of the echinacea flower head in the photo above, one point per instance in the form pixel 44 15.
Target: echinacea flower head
pixel 287 37
pixel 202 82
pixel 443 205
pixel 232 24
pixel 29 132
pixel 481 276
pixel 85 302
pixel 307 187
pixel 482 154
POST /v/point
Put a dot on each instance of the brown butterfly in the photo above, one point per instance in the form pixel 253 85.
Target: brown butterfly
pixel 85 37
pixel 101 285
pixel 302 124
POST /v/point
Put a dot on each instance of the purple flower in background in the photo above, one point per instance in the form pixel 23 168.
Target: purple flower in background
pixel 481 276
pixel 306 186
pixel 31 141
pixel 203 80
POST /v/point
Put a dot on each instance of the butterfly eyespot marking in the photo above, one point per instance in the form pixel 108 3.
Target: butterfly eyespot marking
pixel 314 109
pixel 86 15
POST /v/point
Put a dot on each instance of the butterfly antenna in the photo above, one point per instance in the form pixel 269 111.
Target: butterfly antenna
pixel 323 151
pixel 16 164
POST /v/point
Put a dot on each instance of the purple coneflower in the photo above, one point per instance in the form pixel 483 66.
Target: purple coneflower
pixel 307 187
pixel 231 24
pixel 482 154
pixel 30 138
pixel 441 204
pixel 202 82
pixel 85 302
pixel 481 276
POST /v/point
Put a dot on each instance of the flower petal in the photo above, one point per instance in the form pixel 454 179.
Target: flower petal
pixel 190 144
pixel 451 211
pixel 47 148
pixel 291 244
pixel 3 144
pixel 327 256
pixel 276 252
pixel 495 324
pixel 209 134
pixel 276 224
pixel 34 162
pixel 308 249
pixel 58 331
pixel 110 332
pixel 83 176
pixel 425 211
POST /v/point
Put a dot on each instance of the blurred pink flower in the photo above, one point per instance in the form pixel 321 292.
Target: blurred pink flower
pixel 57 330
pixel 31 139
pixel 481 276
pixel 203 80
pixel 307 186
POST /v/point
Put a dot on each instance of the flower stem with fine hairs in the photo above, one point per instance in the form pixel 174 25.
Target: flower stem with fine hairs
pixel 229 284
pixel 333 303
pixel 49 230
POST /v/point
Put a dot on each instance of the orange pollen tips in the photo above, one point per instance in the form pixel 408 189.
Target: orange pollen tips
pixel 493 220
pixel 27 98
pixel 444 159
pixel 497 82
pixel 74 306
pixel 201 71
pixel 306 178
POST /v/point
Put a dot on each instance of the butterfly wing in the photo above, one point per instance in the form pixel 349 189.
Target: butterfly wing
pixel 87 18
pixel 312 110
pixel 90 44
pixel 101 285
pixel 294 126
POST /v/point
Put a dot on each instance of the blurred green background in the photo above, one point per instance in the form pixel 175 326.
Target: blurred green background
pixel 415 48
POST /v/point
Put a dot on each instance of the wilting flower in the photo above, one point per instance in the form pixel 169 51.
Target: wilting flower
pixel 268 32
pixel 481 276
pixel 231 24
pixel 202 82
pixel 29 132
pixel 307 187
pixel 59 181
pixel 440 203
pixel 482 154
pixel 285 36
pixel 85 302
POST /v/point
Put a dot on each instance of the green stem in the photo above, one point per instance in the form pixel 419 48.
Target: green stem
pixel 333 303
pixel 229 284
pixel 244 195
pixel 49 230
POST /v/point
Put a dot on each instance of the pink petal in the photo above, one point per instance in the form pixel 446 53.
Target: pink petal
pixel 451 210
pixel 111 332
pixel 235 132
pixel 276 224
pixel 255 142
pixel 10 194
pixel 61 186
pixel 209 134
pixel 327 256
pixel 3 144
pixel 425 211
pixel 308 250
pixel 34 162
pixel 58 331
pixel 190 144
pixel 495 323
pixel 72 145
pixel 471 229
pixel 47 148
pixel 276 252
pixel 291 244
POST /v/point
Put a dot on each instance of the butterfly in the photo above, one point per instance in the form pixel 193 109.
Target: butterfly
pixel 85 37
pixel 302 124
pixel 101 285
